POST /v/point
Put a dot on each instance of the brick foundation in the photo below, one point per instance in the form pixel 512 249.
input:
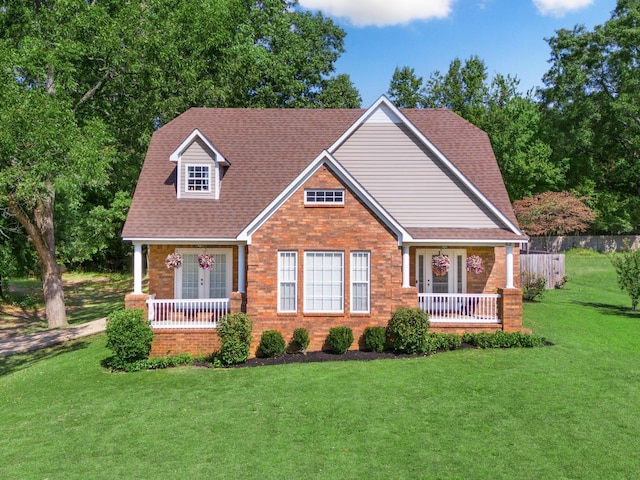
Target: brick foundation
pixel 174 341
pixel 134 300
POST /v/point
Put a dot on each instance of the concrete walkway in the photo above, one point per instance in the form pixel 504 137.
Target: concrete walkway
pixel 49 338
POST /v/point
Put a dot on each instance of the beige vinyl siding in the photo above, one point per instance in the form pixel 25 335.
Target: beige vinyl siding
pixel 197 154
pixel 409 181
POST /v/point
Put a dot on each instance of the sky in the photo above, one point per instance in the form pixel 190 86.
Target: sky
pixel 426 35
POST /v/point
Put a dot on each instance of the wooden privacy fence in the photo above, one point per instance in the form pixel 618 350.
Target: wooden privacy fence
pixel 549 265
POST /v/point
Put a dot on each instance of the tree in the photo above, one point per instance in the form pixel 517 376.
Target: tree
pixel 339 92
pixel 592 113
pixel 84 84
pixel 553 213
pixel 627 265
pixel 405 88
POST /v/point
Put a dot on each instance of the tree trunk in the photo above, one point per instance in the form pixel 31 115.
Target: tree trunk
pixel 40 231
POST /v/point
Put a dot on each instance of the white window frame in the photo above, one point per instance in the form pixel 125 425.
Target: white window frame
pixel 177 279
pixel 189 177
pixel 311 196
pixel 281 281
pixel 366 282
pixel 307 254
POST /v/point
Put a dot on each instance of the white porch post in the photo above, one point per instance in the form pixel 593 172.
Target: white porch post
pixel 241 268
pixel 405 267
pixel 509 266
pixel 137 268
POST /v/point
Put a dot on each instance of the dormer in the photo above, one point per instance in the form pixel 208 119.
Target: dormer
pixel 200 167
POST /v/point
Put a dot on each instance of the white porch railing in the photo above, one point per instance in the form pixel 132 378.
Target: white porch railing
pixel 460 307
pixel 196 313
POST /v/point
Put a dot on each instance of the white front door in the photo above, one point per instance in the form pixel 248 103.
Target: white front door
pixel 452 281
pixel 192 282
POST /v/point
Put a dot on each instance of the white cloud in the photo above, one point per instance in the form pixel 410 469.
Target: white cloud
pixel 381 13
pixel 557 8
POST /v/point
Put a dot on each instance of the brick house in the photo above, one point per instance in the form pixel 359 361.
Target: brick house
pixel 320 218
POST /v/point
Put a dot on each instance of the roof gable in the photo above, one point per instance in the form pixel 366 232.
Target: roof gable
pixel 384 112
pixel 325 158
pixel 176 155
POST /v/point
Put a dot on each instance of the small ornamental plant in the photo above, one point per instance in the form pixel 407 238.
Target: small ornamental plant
pixel 173 260
pixel 440 265
pixel 474 264
pixel 206 261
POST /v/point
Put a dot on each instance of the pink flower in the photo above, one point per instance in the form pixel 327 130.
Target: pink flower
pixel 206 261
pixel 173 260
pixel 474 264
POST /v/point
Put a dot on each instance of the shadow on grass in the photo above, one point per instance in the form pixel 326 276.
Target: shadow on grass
pixel 21 361
pixel 608 309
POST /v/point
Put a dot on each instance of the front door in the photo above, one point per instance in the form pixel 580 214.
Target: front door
pixel 193 282
pixel 453 280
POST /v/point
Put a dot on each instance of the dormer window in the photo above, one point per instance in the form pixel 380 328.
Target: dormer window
pixel 198 178
pixel 200 168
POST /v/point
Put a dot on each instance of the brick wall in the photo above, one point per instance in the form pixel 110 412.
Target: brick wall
pixel 347 228
pixel 194 341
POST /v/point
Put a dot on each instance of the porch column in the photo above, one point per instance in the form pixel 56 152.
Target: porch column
pixel 509 283
pixel 405 267
pixel 241 268
pixel 137 268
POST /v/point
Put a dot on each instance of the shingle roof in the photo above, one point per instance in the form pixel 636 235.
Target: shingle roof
pixel 267 149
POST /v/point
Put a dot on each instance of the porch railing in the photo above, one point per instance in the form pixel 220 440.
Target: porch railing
pixel 195 313
pixel 460 307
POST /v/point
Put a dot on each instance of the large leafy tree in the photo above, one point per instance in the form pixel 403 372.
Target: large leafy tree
pixel 592 100
pixel 84 84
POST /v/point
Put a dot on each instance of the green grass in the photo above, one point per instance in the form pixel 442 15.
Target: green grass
pixel 88 296
pixel 567 411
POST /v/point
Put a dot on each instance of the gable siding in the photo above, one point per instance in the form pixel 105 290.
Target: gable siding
pixel 409 181
pixel 197 154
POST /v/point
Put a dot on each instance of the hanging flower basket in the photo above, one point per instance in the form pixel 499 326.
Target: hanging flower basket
pixel 206 261
pixel 173 260
pixel 440 265
pixel 474 264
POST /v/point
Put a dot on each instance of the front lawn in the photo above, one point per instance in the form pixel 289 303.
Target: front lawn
pixel 88 296
pixel 567 411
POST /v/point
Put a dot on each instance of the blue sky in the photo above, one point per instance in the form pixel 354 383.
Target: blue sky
pixel 428 34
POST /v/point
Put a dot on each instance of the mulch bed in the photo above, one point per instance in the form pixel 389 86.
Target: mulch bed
pixel 311 357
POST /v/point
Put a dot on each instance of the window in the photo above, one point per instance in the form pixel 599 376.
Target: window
pixel 331 197
pixel 287 282
pixel 360 282
pixel 198 178
pixel 323 282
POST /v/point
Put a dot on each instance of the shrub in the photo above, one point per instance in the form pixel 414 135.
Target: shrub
pixel 157 363
pixel 271 344
pixel 407 329
pixel 501 339
pixel 340 339
pixel 299 341
pixel 129 337
pixel 375 338
pixel 234 331
pixel 627 265
pixel 532 285
pixel 441 341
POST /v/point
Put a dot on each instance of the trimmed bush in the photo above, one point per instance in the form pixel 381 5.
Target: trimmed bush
pixel 407 330
pixel 129 337
pixel 501 339
pixel 375 339
pixel 340 339
pixel 234 331
pixel 441 341
pixel 271 344
pixel 532 286
pixel 300 340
